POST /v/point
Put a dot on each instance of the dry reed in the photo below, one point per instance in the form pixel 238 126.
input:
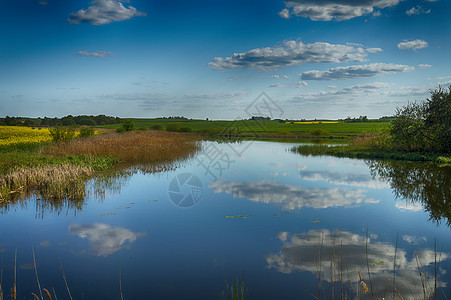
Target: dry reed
pixel 135 146
pixel 52 182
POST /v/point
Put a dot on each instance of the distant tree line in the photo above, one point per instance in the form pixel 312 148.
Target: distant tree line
pixel 80 120
pixel 64 121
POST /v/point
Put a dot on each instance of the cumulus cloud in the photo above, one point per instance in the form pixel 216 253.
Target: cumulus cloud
pixel 102 12
pixel 413 45
pixel 356 71
pixel 349 90
pixel 424 66
pixel 416 10
pixel 99 53
pixel 339 10
pixel 276 85
pixel 105 239
pixel 284 13
pixel 301 84
pixel 292 197
pixel 291 53
pixel 300 252
pixel 215 96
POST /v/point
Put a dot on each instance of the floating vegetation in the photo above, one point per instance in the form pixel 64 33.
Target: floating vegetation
pixel 153 200
pixel 238 216
pixel 376 263
pixel 286 212
pixel 107 214
pixel 315 222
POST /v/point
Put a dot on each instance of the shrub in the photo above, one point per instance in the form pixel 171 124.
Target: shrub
pixel 319 132
pixel 128 125
pixel 185 129
pixel 86 132
pixel 156 127
pixel 62 134
pixel 173 127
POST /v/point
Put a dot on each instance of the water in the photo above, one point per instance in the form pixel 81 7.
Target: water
pixel 252 210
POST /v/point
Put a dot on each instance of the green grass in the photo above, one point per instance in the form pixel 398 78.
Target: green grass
pixel 264 128
pixel 32 155
pixel 362 152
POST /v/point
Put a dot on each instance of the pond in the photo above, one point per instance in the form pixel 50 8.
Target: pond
pixel 287 226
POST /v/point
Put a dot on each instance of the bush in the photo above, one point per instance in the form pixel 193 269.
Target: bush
pixel 156 127
pixel 120 129
pixel 319 132
pixel 185 129
pixel 173 127
pixel 127 126
pixel 86 132
pixel 62 134
pixel 425 126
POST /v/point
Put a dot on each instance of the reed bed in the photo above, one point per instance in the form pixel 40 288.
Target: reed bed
pixel 133 147
pixel 51 182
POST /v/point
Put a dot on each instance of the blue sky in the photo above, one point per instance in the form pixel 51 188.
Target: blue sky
pixel 145 58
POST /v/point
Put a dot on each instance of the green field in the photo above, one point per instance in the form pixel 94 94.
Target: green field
pixel 262 128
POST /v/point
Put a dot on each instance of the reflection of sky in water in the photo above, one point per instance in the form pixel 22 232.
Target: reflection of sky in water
pixel 105 239
pixel 301 252
pixel 187 252
pixel 291 197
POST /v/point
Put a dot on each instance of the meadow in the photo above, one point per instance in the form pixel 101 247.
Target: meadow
pixel 263 128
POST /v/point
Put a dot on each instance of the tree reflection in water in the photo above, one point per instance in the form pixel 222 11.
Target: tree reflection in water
pixel 426 183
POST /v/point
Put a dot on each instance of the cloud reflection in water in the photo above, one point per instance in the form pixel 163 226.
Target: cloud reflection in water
pixel 105 239
pixel 300 252
pixel 292 197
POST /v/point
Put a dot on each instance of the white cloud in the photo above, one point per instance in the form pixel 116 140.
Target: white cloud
pixel 416 10
pixel 356 71
pixel 358 89
pixel 284 13
pixel 424 66
pixel 105 239
pixel 276 85
pixel 291 53
pixel 286 77
pixel 413 45
pixel 275 76
pixel 215 96
pixel 99 53
pixel 292 197
pixel 301 84
pixel 339 10
pixel 102 12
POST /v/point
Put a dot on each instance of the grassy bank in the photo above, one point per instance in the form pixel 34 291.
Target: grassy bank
pixel 59 170
pixel 353 151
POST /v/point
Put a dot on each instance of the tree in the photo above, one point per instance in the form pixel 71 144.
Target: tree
pixel 424 126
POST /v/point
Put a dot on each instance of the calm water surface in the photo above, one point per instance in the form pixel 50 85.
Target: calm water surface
pixel 253 209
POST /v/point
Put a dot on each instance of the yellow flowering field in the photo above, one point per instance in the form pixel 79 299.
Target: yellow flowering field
pixel 10 135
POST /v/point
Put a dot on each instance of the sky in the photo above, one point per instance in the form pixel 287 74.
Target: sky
pixel 324 59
